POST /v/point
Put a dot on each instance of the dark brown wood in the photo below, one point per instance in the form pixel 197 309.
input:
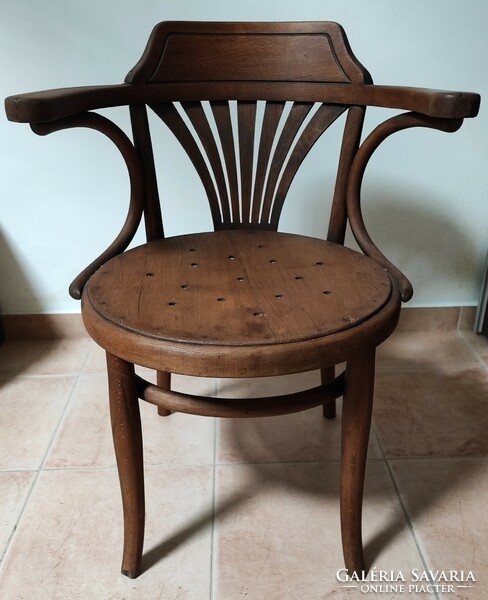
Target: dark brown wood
pixel 127 436
pixel 143 146
pixel 239 288
pixel 222 116
pixel 167 400
pixel 164 383
pixel 246 114
pixel 136 177
pixel 318 124
pixel 189 51
pixel 397 123
pixel 244 300
pixel 350 145
pixel 271 119
pixel 296 116
pixel 177 125
pixel 356 420
pixel 329 407
pixel 50 105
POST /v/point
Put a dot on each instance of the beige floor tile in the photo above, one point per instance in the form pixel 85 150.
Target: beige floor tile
pixel 418 349
pixel 30 410
pixel 15 486
pixel 432 413
pixel 85 436
pixel 96 361
pixel 278 533
pixel 43 357
pixel 68 544
pixel 299 437
pixel 445 500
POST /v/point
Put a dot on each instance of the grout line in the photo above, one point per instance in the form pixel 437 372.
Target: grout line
pixel 43 460
pixel 472 350
pixel 405 512
pixel 213 534
pixel 21 512
pixel 460 318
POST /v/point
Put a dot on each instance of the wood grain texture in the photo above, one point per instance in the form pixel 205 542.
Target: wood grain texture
pixel 244 300
pixel 239 288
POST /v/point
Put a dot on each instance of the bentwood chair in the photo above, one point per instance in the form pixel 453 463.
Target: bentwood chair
pixel 243 300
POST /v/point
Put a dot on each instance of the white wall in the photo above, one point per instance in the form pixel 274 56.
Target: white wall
pixel 63 197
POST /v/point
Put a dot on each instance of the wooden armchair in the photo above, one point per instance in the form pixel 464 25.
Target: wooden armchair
pixel 244 300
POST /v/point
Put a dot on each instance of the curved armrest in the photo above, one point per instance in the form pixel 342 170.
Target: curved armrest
pixel 433 103
pixel 50 105
pixel 353 192
pixel 131 158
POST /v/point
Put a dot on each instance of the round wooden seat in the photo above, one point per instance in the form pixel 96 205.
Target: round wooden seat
pixel 236 294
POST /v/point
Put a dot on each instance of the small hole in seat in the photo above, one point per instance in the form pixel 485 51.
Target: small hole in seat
pixel 273 261
pixel 298 277
pixel 258 314
pixel 171 303
pixel 279 296
pixel 149 274
pixel 194 265
pixel 220 299
pixel 240 278
pixel 319 263
pixel 185 286
pixel 327 292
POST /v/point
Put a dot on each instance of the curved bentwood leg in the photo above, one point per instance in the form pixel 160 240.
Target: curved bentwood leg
pixel 329 407
pixel 356 421
pixel 127 436
pixel 164 382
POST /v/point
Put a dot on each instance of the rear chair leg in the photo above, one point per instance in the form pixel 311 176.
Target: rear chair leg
pixel 328 408
pixel 356 421
pixel 127 436
pixel 164 381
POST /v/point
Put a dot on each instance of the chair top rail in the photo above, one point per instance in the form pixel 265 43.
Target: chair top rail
pixel 50 105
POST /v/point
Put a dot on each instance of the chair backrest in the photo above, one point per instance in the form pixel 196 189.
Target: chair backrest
pixel 242 115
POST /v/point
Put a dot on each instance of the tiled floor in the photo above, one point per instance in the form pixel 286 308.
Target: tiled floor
pixel 242 509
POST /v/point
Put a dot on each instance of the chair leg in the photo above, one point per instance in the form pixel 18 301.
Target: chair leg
pixel 329 407
pixel 127 436
pixel 356 422
pixel 164 381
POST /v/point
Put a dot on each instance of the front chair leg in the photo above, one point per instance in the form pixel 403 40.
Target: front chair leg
pixel 127 436
pixel 356 422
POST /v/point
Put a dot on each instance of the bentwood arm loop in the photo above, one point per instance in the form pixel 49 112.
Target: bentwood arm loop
pixel 134 167
pixel 353 192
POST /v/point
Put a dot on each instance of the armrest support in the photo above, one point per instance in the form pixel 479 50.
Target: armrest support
pixel 50 105
pixel 353 192
pixel 129 154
